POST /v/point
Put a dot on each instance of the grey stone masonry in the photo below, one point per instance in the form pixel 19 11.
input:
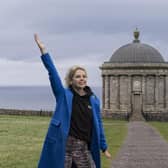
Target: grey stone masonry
pixel 25 112
pixel 122 81
pixel 143 148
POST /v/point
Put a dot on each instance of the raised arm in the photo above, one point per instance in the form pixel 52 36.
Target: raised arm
pixel 55 80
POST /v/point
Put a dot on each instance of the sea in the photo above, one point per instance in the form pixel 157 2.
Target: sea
pixel 31 97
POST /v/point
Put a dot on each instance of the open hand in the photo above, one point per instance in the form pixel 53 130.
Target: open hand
pixel 107 154
pixel 40 44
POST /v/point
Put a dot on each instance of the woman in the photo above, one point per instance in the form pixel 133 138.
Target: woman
pixel 75 133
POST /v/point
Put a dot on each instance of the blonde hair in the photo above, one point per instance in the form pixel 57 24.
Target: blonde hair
pixel 71 73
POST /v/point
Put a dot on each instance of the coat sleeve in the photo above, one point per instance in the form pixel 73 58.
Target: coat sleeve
pixel 55 80
pixel 103 144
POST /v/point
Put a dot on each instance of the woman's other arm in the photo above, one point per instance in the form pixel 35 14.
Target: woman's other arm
pixel 103 144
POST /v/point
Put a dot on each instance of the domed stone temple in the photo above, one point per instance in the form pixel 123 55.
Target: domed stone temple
pixel 135 83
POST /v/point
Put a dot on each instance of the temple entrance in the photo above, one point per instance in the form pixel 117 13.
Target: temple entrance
pixel 137 107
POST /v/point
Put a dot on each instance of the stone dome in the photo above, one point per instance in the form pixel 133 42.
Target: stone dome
pixel 136 52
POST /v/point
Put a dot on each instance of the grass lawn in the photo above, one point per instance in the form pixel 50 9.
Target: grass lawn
pixel 21 139
pixel 115 132
pixel 162 127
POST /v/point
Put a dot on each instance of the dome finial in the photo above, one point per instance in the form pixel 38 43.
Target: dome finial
pixel 136 36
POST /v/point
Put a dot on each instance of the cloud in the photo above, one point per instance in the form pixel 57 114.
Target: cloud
pixel 75 32
pixel 21 73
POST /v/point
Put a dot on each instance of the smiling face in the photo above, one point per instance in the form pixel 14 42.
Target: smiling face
pixel 79 79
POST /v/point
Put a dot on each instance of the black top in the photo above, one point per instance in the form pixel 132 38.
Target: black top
pixel 81 117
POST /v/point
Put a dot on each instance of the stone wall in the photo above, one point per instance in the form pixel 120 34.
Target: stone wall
pixel 25 112
pixel 148 116
pixel 116 115
pixel 156 116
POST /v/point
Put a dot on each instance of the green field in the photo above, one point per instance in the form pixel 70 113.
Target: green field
pixel 115 132
pixel 21 139
pixel 162 127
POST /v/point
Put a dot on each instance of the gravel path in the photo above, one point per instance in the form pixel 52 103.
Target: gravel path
pixel 143 148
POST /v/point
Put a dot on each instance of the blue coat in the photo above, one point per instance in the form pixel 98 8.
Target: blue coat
pixel 53 152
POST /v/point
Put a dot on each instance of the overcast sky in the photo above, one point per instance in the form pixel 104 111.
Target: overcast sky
pixel 75 33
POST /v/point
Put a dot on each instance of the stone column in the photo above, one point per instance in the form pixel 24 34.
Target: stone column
pixel 103 91
pixel 166 96
pixel 129 92
pixel 118 95
pixel 164 92
pixel 156 92
pixel 113 92
pixel 150 93
pixel 143 92
pixel 161 92
pixel 124 99
pixel 106 90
